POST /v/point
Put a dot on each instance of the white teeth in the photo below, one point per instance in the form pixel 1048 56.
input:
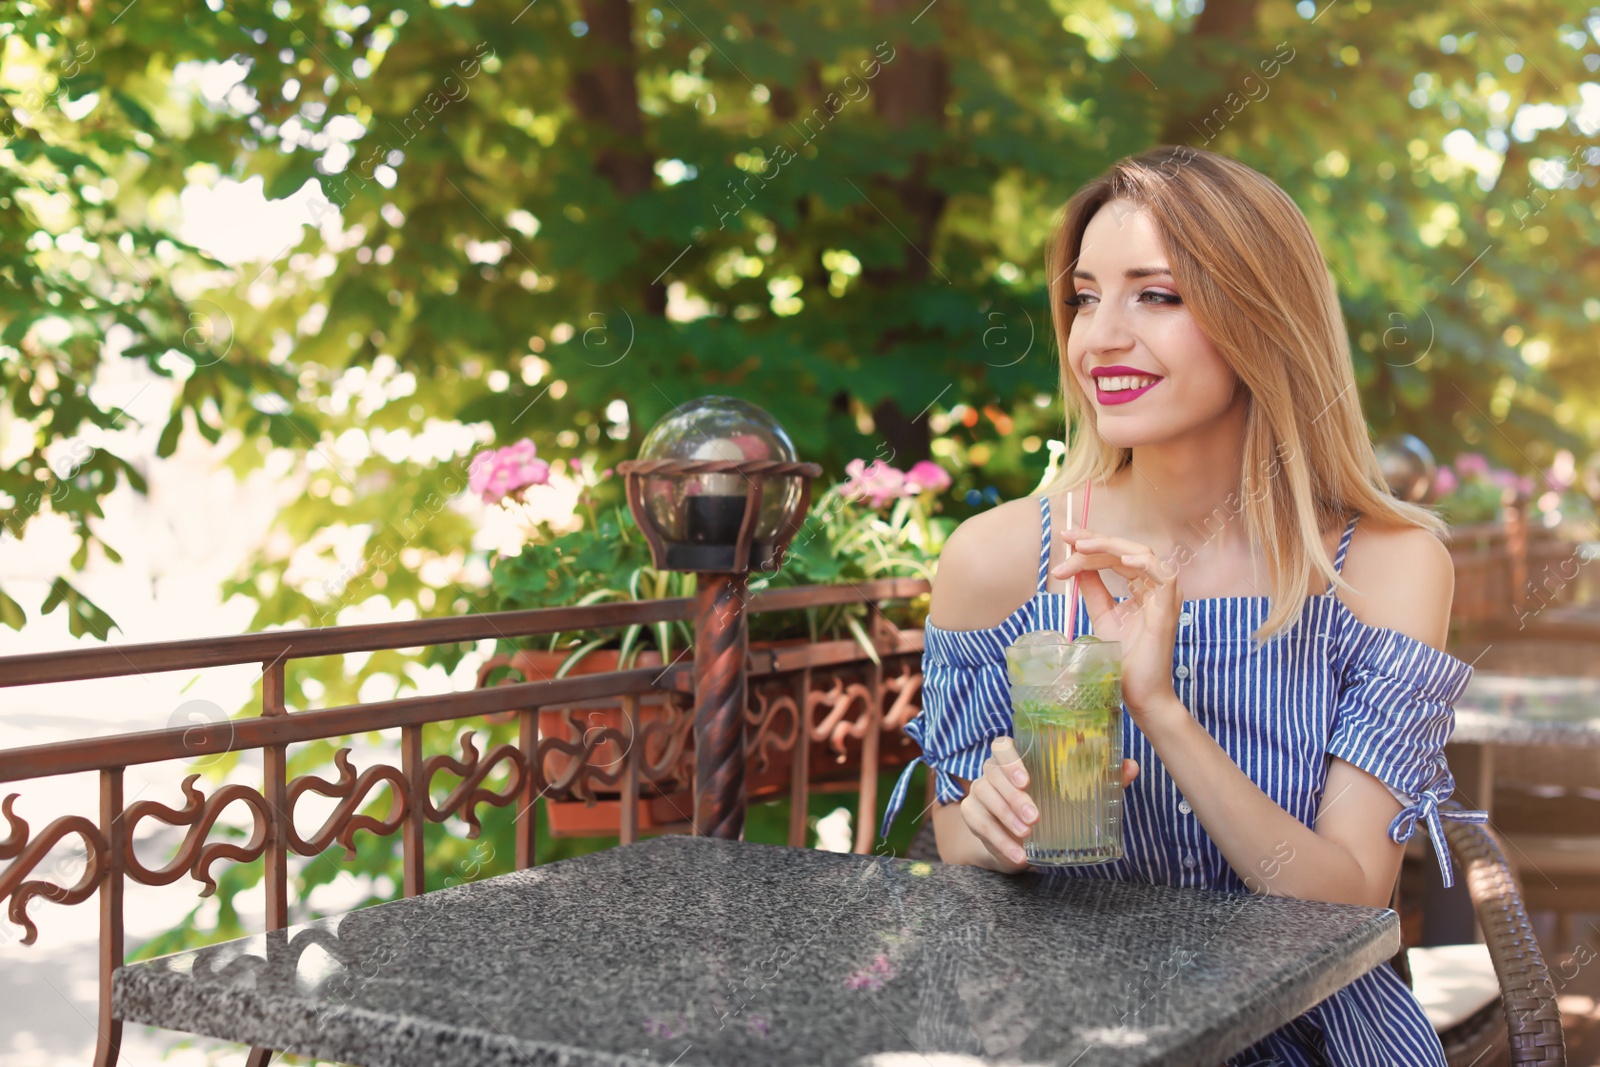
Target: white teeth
pixel 1116 385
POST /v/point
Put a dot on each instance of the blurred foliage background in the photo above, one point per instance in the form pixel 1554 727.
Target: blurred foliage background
pixel 559 220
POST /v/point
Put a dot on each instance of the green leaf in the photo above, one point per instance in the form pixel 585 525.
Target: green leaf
pixel 135 111
pixel 578 654
pixel 168 442
pixel 11 613
pixel 862 639
pixel 83 615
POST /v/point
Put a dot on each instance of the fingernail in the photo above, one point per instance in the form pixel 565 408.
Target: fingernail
pixel 1029 813
pixel 1019 778
pixel 1017 855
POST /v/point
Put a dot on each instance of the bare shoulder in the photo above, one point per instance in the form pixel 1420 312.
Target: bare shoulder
pixel 988 568
pixel 1403 579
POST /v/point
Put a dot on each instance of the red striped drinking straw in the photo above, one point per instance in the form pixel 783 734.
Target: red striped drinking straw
pixel 1072 598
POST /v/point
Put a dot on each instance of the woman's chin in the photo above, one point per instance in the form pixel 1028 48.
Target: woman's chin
pixel 1124 432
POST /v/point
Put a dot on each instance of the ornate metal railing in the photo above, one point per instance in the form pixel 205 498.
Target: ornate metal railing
pixel 800 697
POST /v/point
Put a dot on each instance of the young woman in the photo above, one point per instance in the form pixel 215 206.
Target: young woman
pixel 1282 616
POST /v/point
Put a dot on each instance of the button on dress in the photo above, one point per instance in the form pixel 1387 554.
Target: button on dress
pixel 1329 686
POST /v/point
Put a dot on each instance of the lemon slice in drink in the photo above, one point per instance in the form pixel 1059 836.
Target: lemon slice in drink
pixel 1081 755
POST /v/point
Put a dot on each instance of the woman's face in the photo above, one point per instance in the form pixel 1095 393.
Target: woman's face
pixel 1140 322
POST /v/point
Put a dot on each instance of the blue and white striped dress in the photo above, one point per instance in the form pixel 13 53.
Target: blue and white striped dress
pixel 1330 686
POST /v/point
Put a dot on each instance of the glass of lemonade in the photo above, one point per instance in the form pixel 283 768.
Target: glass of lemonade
pixel 1066 702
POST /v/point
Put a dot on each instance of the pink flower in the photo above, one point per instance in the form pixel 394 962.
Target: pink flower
pixel 521 452
pixel 533 472
pixel 494 474
pixel 928 476
pixel 879 483
pixel 1471 463
pixel 1524 485
pixel 479 469
pixel 1444 482
pixel 499 484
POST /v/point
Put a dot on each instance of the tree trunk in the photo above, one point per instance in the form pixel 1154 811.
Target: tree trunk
pixel 604 91
pixel 914 84
pixel 1222 20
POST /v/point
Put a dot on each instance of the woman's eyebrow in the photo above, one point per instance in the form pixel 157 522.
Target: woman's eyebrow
pixel 1131 272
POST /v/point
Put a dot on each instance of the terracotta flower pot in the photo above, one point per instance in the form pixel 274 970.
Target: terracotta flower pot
pixel 602 817
pixel 829 769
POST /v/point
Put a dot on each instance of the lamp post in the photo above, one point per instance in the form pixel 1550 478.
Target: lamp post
pixel 716 485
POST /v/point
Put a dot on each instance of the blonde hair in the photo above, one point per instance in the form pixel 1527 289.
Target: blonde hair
pixel 1253 277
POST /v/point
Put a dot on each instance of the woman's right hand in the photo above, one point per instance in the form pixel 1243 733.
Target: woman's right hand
pixel 998 810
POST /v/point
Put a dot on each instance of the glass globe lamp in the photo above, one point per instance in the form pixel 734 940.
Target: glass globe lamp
pixel 717 487
pixel 1408 467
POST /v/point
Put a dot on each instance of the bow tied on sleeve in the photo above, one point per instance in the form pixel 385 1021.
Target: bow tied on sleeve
pixel 1426 809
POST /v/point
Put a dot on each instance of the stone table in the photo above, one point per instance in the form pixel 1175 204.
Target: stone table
pixel 681 950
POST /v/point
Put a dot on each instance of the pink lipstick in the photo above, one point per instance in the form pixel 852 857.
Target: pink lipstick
pixel 1122 396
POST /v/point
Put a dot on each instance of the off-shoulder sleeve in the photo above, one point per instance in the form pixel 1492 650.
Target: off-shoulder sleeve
pixel 1395 711
pixel 966 704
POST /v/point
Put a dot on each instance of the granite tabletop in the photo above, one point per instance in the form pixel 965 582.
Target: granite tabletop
pixel 1515 709
pixel 699 951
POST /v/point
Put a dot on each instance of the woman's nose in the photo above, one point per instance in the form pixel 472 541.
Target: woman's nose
pixel 1106 329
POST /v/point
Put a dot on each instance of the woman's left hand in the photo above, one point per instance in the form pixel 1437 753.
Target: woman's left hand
pixel 1146 624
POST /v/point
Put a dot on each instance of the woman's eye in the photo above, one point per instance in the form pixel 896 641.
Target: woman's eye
pixel 1086 299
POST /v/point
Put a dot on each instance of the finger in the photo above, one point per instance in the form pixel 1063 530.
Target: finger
pixel 1093 589
pixel 1087 541
pixel 1150 583
pixel 1086 562
pixel 1144 573
pixel 1005 753
pixel 1103 606
pixel 981 821
pixel 1020 812
pixel 988 794
pixel 1130 771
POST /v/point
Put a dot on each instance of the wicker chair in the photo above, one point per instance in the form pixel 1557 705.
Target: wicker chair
pixel 1524 1026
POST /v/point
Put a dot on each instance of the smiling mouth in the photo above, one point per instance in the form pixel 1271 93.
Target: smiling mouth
pixel 1119 389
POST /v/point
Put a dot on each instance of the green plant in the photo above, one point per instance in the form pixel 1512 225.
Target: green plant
pixel 606 560
pixel 844 540
pixel 1473 491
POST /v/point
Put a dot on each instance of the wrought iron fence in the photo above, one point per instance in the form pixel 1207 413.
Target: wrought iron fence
pixel 804 699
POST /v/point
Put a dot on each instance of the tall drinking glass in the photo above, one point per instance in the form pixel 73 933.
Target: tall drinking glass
pixel 1066 702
